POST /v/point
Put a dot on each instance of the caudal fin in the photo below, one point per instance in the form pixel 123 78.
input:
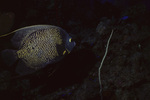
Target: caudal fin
pixel 9 56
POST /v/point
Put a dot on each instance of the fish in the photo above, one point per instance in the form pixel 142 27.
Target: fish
pixel 124 17
pixel 37 46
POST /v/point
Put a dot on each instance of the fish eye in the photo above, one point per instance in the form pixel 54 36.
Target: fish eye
pixel 70 40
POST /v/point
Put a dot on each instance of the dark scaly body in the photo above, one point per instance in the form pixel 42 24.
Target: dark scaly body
pixel 38 46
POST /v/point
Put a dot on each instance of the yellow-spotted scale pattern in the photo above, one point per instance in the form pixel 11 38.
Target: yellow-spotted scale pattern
pixel 40 45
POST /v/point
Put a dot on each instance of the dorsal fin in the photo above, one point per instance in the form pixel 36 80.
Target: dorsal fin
pixel 19 34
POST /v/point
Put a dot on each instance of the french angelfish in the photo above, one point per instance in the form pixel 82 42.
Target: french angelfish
pixel 36 46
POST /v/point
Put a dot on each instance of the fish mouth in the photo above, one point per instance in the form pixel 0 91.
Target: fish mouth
pixel 74 43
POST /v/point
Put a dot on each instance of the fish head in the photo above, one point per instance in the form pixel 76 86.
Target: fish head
pixel 70 43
